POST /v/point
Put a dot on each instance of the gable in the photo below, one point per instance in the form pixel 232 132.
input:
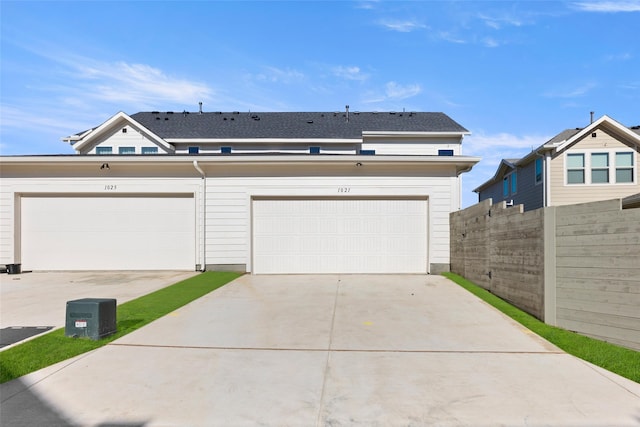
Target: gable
pixel 120 131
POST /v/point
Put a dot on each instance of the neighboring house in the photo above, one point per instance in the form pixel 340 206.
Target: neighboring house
pixel 256 192
pixel 579 165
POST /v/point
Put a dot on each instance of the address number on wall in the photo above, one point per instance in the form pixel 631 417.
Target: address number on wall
pixel 344 189
pixel 110 187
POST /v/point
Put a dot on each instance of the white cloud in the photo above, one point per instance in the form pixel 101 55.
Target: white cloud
pixel 394 90
pixel 349 73
pixel 402 26
pixel 490 42
pixel 499 22
pixel 450 37
pixel 618 57
pixel 280 75
pixel 142 84
pixel 608 6
pixel 571 92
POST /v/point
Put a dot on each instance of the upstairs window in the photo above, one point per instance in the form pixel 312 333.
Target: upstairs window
pixel 104 150
pixel 149 150
pixel 538 170
pixel 624 168
pixel 225 150
pixel 599 168
pixel 575 168
pixel 194 150
pixel 127 150
pixel 514 183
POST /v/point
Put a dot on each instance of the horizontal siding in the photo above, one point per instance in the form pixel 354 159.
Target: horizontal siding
pixel 6 224
pixel 562 194
pixel 228 207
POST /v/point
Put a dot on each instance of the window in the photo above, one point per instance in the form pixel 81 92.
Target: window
pixel 127 150
pixel 575 168
pixel 314 150
pixel 505 186
pixel 104 150
pixel 368 152
pixel 514 183
pixel 538 170
pixel 624 167
pixel 599 168
pixel 149 150
pixel 225 150
pixel 445 152
pixel 194 150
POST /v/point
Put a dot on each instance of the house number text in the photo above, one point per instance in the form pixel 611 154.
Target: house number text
pixel 344 189
pixel 110 187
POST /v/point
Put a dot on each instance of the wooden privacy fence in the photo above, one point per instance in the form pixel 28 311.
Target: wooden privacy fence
pixel 574 266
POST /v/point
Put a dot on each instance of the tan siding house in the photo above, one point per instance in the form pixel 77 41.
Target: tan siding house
pixel 579 165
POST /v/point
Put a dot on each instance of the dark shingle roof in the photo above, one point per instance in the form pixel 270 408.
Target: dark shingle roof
pixel 291 125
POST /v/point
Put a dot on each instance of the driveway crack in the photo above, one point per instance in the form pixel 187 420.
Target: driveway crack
pixel 328 360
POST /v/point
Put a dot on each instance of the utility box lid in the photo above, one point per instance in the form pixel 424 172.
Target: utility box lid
pixel 92 318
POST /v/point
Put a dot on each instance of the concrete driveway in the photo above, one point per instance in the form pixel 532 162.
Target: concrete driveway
pixel 39 299
pixel 326 351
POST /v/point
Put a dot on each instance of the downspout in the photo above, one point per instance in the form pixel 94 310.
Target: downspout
pixel 544 178
pixel 203 265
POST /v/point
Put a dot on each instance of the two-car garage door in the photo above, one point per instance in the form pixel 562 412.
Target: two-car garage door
pixel 93 232
pixel 321 235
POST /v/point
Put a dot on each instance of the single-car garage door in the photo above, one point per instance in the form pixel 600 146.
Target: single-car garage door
pixel 339 236
pixel 134 232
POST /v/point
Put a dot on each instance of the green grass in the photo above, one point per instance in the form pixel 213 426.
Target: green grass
pixel 622 361
pixel 54 347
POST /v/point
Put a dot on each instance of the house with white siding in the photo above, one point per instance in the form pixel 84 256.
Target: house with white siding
pixel 265 193
pixel 597 162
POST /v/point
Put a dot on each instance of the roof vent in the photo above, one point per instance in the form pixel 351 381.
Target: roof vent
pixel 200 107
pixel 155 112
pixel 309 121
pixel 236 112
pixel 169 112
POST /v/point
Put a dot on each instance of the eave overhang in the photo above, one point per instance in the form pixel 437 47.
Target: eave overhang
pixel 461 163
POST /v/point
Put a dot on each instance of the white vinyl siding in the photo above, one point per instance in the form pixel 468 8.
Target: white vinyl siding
pixel 108 233
pixel 339 236
pixel 228 211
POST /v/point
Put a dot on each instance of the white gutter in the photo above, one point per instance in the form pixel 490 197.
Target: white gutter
pixel 203 212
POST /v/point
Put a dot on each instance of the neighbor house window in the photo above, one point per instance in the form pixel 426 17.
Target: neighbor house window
pixel 194 150
pixel 514 183
pixel 104 150
pixel 149 150
pixel 599 168
pixel 127 150
pixel 624 167
pixel 538 170
pixel 575 168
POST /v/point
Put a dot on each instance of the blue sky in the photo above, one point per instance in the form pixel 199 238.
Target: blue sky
pixel 513 73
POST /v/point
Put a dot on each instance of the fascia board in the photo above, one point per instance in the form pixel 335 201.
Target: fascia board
pixel 602 120
pixel 462 161
pixel 503 166
pixel 110 122
pixel 264 140
pixel 382 134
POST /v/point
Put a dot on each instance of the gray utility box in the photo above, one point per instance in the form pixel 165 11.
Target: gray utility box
pixel 93 318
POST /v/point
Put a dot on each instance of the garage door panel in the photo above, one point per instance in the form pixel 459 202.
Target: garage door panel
pixel 340 236
pixel 108 233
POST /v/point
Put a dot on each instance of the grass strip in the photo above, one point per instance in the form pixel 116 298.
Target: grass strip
pixel 54 347
pixel 620 360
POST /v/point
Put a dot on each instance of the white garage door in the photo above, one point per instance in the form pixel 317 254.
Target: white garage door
pixel 108 233
pixel 339 236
